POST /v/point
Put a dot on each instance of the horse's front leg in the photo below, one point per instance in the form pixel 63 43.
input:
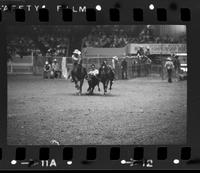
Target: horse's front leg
pixel 111 82
pixel 98 87
pixel 105 87
pixel 92 90
pixel 81 84
pixel 89 88
pixel 76 84
pixel 71 75
pixel 104 90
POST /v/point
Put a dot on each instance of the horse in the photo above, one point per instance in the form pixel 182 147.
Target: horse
pixel 78 74
pixel 105 76
pixel 93 81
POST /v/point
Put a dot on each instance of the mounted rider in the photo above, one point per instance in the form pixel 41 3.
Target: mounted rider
pixel 77 60
pixel 76 56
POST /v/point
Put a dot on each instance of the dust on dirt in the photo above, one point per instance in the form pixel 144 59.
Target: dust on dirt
pixel 140 111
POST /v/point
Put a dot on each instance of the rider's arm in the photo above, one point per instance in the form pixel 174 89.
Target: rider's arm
pixel 74 58
pixel 96 72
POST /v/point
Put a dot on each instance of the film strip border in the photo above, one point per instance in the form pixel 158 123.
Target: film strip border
pixel 74 157
pixel 85 157
pixel 91 14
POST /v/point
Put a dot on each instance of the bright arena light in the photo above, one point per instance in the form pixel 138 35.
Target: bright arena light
pixel 123 161
pixel 69 162
pixel 13 162
pixel 151 7
pixel 176 161
pixel 98 7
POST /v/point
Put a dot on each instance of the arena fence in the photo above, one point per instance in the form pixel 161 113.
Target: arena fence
pixel 133 71
pixel 20 65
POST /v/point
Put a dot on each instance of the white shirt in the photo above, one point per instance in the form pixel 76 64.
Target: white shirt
pixel 94 72
pixel 169 65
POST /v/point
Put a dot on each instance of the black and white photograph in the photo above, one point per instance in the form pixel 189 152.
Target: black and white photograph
pixel 97 85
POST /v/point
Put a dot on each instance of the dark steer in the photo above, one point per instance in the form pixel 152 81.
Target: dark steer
pixel 93 81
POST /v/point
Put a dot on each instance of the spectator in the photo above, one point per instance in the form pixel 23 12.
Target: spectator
pixel 176 65
pixel 56 69
pixel 169 66
pixel 115 66
pixel 124 65
pixel 116 36
pixel 46 70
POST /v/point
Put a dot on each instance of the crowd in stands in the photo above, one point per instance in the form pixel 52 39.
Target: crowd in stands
pixel 56 42
pixel 55 45
pixel 20 45
pixel 51 45
pixel 120 37
pixel 100 38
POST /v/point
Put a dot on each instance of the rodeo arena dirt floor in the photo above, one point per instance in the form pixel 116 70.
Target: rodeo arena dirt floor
pixel 144 111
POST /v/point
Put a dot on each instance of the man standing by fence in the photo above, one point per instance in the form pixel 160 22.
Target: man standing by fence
pixel 176 65
pixel 169 66
pixel 56 69
pixel 115 66
pixel 147 61
pixel 124 68
pixel 133 66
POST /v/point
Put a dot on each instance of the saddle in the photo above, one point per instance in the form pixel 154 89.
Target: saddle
pixel 77 67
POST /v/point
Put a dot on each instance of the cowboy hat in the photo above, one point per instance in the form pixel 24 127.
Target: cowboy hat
pixel 169 59
pixel 76 51
pixel 115 57
pixel 148 47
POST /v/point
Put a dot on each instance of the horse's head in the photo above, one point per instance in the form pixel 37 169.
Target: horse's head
pixel 103 69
